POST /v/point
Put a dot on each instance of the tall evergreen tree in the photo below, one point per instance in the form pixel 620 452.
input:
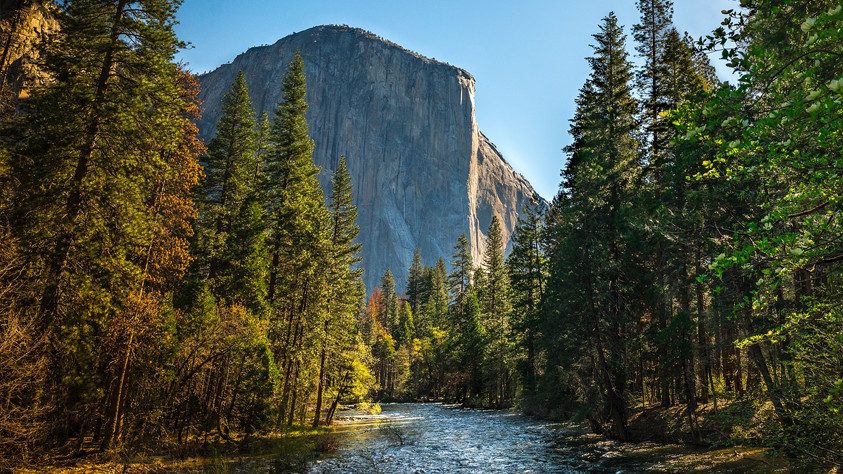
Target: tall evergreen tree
pixel 493 289
pixel 299 241
pixel 104 141
pixel 406 326
pixel 294 200
pixel 677 233
pixel 651 37
pixel 388 315
pixel 229 164
pixel 471 345
pixel 599 190
pixel 263 135
pixel 344 295
pixel 230 236
pixel 462 266
pixel 438 299
pixel 527 267
pixel 415 281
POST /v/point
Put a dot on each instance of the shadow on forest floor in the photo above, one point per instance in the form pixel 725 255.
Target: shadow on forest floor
pixel 289 451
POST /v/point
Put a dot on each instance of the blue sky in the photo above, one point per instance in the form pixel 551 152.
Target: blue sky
pixel 526 55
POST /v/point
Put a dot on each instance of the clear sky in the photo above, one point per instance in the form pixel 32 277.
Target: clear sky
pixel 526 55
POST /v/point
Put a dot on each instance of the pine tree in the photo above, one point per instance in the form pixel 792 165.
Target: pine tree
pixel 462 266
pixel 295 203
pixel 406 325
pixel 230 236
pixel 229 163
pixel 651 37
pixel 107 151
pixel 438 299
pixel 415 281
pixel 388 316
pixel 598 193
pixel 299 242
pixel 677 236
pixel 263 134
pixel 242 279
pixel 527 266
pixel 345 292
pixel 471 345
pixel 493 291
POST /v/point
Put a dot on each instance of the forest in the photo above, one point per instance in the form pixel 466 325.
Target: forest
pixel 159 291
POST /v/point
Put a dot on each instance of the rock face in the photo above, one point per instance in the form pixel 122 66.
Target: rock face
pixel 23 25
pixel 423 173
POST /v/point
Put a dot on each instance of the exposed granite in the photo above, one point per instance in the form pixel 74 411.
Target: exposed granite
pixel 23 25
pixel 422 171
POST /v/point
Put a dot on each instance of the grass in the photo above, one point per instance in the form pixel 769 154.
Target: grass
pixel 289 450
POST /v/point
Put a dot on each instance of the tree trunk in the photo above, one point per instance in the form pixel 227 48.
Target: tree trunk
pixel 773 390
pixel 318 414
pixel 702 335
pixel 112 431
pixel 295 394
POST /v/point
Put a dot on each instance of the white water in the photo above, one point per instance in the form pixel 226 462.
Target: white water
pixel 435 438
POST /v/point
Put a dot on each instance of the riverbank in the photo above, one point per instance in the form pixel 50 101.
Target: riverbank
pixel 729 437
pixel 289 451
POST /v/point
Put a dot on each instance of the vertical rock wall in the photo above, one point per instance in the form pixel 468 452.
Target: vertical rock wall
pixel 423 172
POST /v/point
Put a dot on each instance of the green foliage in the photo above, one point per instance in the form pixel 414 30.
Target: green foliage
pixel 715 266
pixel 595 243
pixel 527 266
pixel 229 164
pixel 692 255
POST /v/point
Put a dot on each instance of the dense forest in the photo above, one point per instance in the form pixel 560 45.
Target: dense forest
pixel 692 256
pixel 158 290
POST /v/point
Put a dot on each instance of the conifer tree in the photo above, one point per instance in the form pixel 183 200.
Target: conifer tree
pixel 527 273
pixel 678 234
pixel 242 279
pixel 462 266
pixel 388 316
pixel 263 134
pixel 598 191
pixel 229 163
pixel 471 344
pixel 415 281
pixel 295 202
pixel 438 299
pixel 651 37
pixel 299 241
pixel 107 151
pixel 406 325
pixel 345 291
pixel 493 291
pixel 230 237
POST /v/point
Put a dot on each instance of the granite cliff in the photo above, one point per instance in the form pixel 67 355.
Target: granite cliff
pixel 423 172
pixel 23 25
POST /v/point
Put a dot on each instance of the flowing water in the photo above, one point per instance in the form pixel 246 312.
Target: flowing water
pixel 436 438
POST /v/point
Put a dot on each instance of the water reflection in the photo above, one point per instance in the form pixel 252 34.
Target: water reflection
pixel 436 438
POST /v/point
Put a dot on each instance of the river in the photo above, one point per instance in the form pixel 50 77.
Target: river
pixel 437 438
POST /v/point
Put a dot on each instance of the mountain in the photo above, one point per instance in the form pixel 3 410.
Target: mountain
pixel 23 24
pixel 423 172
